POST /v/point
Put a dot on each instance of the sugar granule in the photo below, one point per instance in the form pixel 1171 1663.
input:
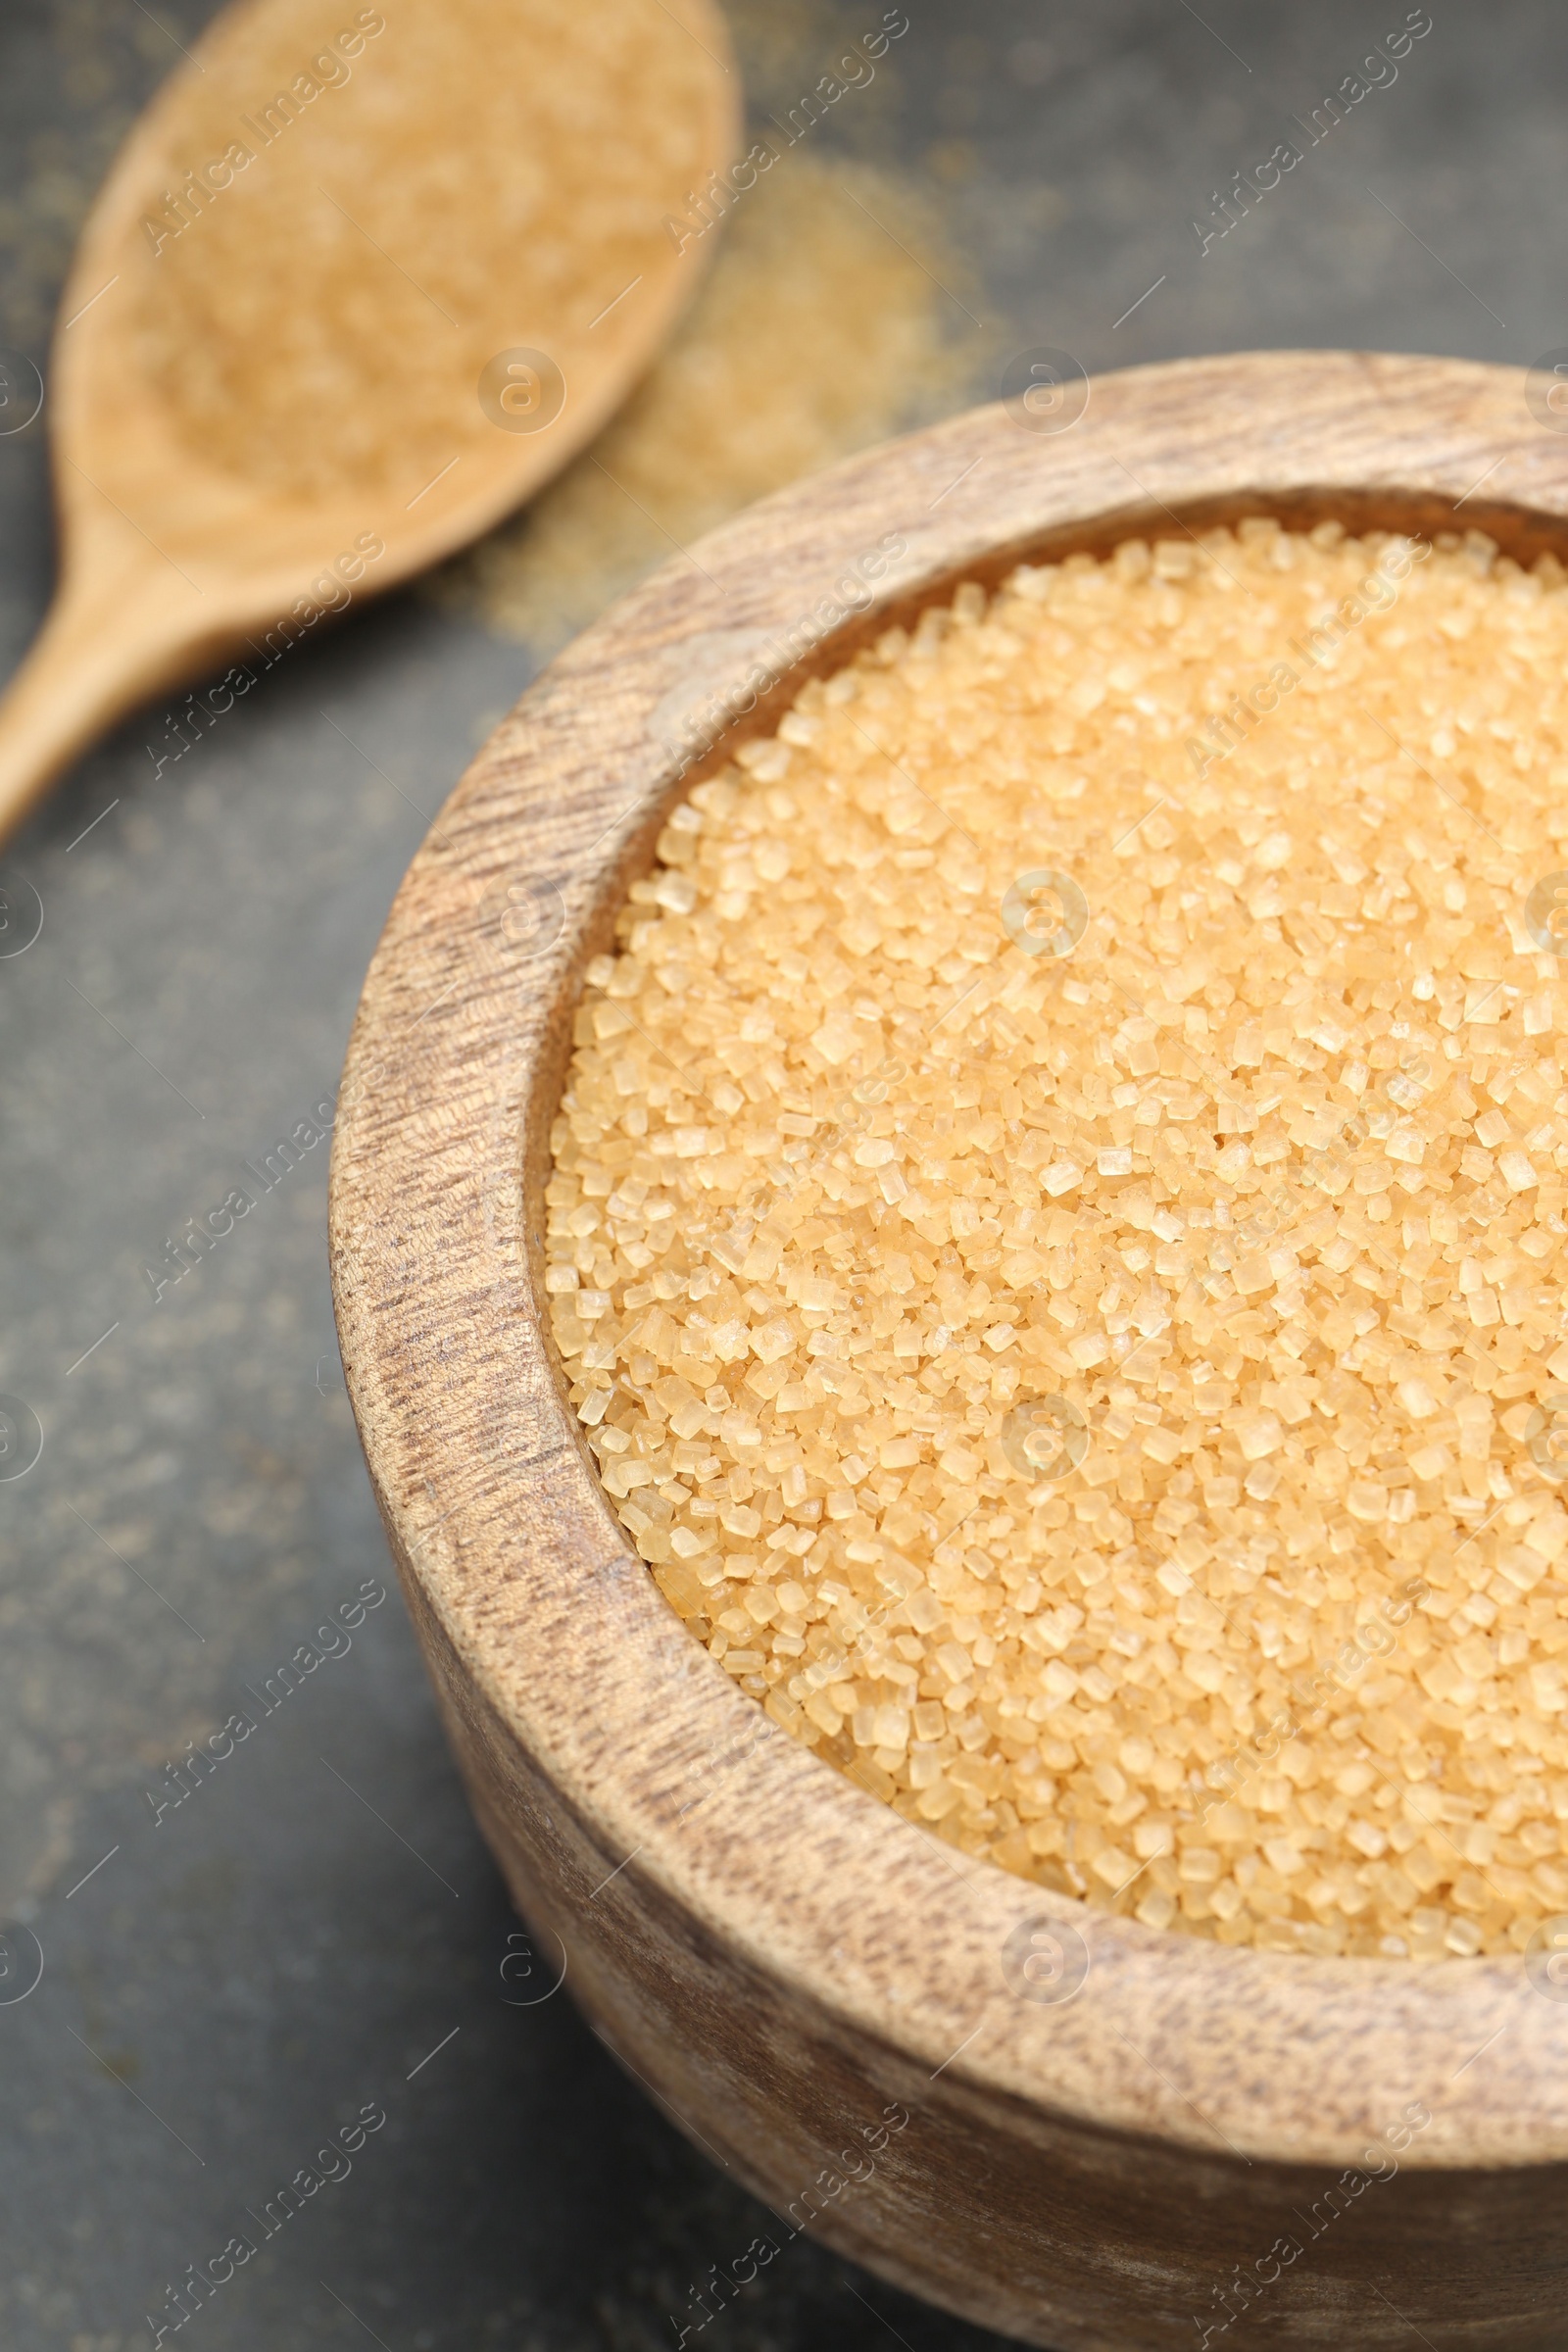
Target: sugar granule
pixel 1056 1232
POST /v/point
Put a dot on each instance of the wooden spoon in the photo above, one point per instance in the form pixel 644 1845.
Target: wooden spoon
pixel 359 281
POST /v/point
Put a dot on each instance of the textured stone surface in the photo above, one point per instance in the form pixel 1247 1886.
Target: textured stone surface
pixel 270 1956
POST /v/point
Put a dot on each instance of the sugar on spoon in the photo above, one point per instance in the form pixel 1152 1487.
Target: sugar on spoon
pixel 359 281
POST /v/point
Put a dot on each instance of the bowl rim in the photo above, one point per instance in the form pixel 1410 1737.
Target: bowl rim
pixel 489 1495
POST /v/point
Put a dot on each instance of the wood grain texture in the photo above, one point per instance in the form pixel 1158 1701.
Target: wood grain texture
pixel 170 562
pixel 777 1954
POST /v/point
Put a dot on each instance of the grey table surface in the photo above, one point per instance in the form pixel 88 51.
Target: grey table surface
pixel 318 1927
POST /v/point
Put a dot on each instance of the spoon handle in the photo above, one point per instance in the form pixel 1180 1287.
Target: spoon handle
pixel 103 648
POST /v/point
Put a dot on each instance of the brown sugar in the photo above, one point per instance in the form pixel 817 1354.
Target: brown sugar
pixel 1056 1232
pixel 466 181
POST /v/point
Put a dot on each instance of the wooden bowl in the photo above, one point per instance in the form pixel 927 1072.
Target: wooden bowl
pixel 834 2005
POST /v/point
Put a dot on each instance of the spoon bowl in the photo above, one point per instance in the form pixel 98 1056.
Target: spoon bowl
pixel 356 286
